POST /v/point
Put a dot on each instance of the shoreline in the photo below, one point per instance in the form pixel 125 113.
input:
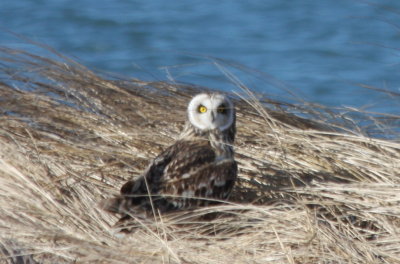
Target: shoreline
pixel 308 191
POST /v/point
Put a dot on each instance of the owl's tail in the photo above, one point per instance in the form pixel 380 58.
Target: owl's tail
pixel 130 204
pixel 113 205
pixel 133 195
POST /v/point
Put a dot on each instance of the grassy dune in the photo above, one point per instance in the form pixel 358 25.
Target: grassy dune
pixel 312 189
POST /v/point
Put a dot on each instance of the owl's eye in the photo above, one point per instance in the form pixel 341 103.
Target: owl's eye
pixel 221 109
pixel 202 109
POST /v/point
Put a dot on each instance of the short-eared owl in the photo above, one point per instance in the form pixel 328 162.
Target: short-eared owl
pixel 197 169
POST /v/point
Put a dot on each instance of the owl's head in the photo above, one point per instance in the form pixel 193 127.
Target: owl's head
pixel 211 111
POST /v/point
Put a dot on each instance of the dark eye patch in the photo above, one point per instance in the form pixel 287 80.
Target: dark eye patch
pixel 222 109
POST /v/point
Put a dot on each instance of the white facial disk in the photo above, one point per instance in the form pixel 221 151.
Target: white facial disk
pixel 210 111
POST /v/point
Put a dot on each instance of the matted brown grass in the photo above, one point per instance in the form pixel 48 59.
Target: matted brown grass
pixel 309 191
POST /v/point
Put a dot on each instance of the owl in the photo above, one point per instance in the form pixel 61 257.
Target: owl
pixel 197 170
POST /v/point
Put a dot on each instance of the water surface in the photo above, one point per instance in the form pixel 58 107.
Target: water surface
pixel 320 50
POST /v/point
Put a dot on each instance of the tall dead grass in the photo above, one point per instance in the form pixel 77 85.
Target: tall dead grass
pixel 310 190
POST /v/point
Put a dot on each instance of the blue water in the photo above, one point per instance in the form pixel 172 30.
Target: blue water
pixel 320 50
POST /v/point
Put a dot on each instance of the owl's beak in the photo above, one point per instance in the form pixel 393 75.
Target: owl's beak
pixel 212 116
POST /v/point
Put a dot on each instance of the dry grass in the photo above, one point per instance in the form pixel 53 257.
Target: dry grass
pixel 310 191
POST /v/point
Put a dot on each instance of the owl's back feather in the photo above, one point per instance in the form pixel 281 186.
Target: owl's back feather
pixel 187 174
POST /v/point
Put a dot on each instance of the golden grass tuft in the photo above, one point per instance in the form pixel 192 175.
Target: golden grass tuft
pixel 312 189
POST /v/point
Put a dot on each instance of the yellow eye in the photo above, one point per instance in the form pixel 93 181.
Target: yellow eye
pixel 202 109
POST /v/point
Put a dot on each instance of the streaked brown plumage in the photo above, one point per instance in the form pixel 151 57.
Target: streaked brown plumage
pixel 196 170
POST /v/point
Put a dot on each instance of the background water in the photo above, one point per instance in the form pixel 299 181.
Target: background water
pixel 320 50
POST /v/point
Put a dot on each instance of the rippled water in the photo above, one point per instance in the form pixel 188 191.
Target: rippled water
pixel 320 50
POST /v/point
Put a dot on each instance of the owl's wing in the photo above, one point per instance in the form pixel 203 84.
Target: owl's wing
pixel 196 176
pixel 136 194
pixel 183 172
